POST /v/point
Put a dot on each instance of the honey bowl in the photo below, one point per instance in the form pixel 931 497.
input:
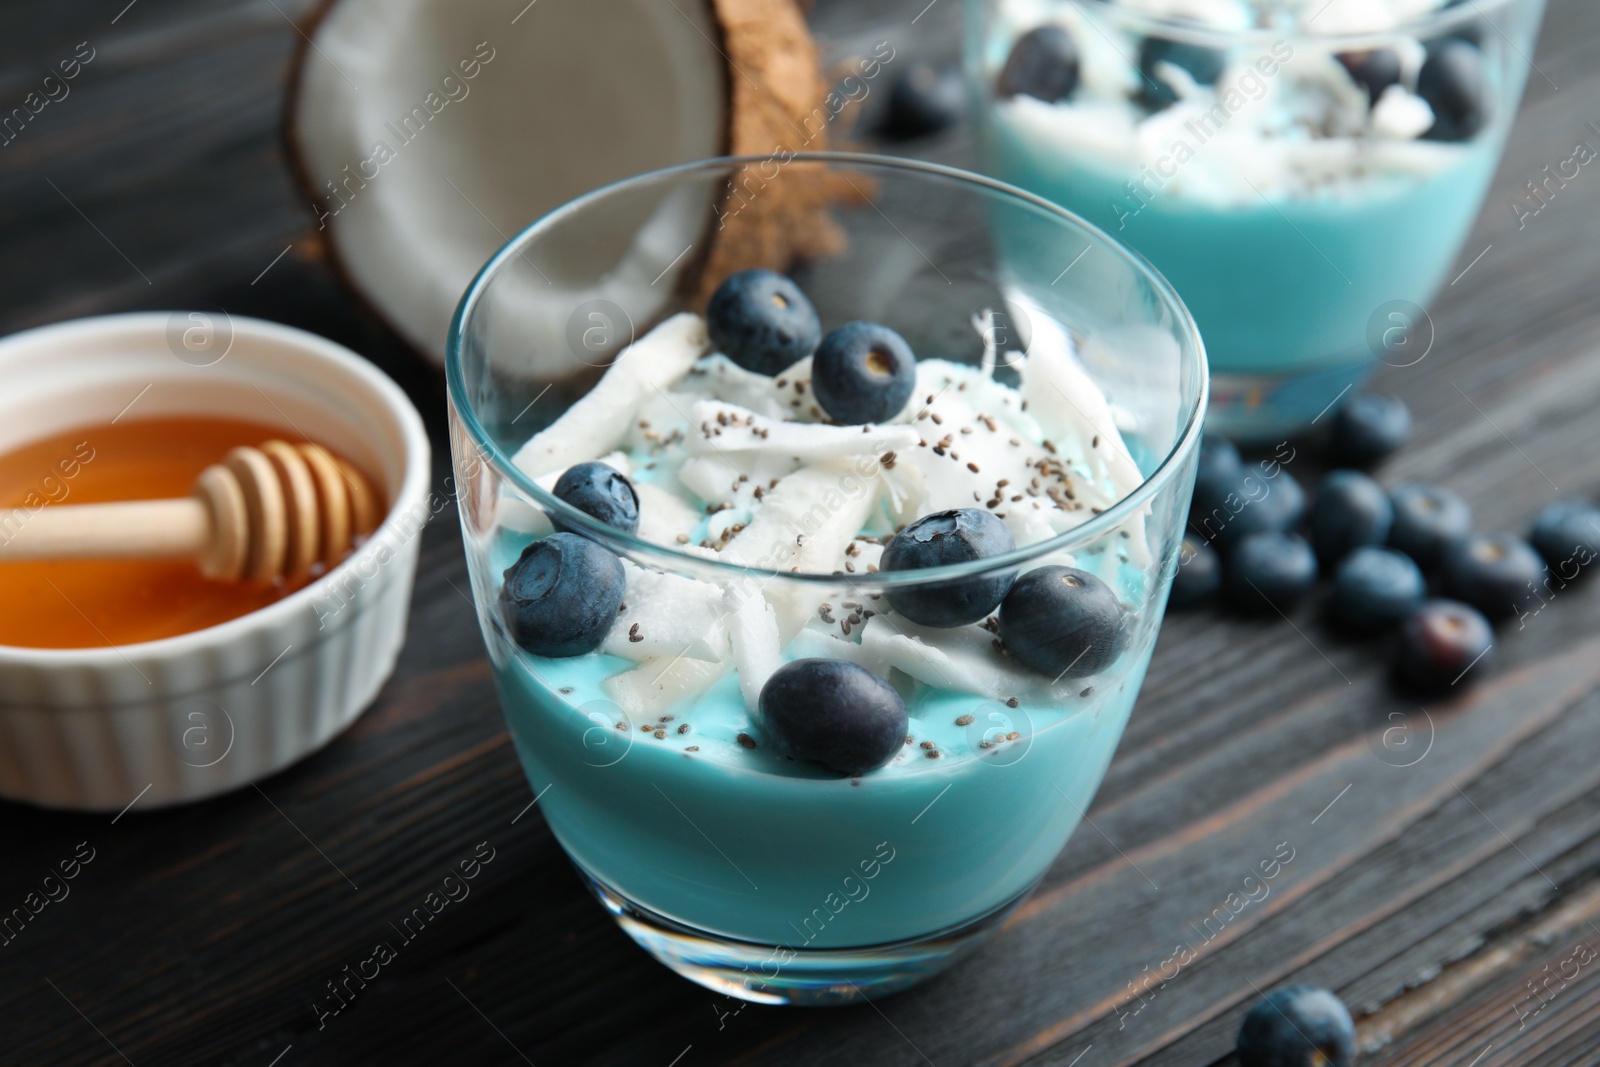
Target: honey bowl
pixel 127 681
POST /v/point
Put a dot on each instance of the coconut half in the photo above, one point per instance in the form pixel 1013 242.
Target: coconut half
pixel 429 132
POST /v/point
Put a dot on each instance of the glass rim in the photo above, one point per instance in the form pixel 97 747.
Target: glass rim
pixel 637 548
pixel 1426 26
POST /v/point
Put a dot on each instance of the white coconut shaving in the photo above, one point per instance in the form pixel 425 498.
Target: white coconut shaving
pixel 728 466
pixel 600 420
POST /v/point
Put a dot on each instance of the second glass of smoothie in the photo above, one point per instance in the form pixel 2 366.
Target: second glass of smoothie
pixel 1304 172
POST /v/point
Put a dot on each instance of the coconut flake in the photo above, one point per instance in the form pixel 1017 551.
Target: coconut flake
pixel 753 628
pixel 718 377
pixel 805 523
pixel 663 516
pixel 962 659
pixel 667 615
pixel 734 478
pixel 717 426
pixel 661 683
pixel 1401 115
pixel 600 420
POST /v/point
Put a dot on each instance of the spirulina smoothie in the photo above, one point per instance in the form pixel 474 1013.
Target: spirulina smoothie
pixel 1294 168
pixel 664 760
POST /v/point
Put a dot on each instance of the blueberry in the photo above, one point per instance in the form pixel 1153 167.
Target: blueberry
pixel 1062 622
pixel 1298 1026
pixel 1249 503
pixel 561 596
pixel 948 537
pixel 1374 71
pixel 1219 466
pixel 1452 82
pixel 863 372
pixel 925 99
pixel 1376 587
pixel 1498 574
pixel 834 713
pixel 1368 428
pixel 762 321
pixel 1428 522
pixel 598 490
pixel 1567 535
pixel 1444 642
pixel 1204 65
pixel 1199 574
pixel 1270 569
pixel 1349 510
pixel 1042 64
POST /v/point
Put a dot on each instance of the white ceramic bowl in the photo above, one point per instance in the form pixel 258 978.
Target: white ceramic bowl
pixel 198 714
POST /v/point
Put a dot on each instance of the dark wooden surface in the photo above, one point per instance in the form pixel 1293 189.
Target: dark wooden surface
pixel 1428 895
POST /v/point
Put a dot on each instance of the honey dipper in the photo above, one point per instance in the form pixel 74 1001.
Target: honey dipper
pixel 261 514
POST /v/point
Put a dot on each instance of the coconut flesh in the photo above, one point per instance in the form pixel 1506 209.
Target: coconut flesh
pixel 430 132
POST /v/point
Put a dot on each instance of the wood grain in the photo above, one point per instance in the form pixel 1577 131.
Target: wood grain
pixel 206 934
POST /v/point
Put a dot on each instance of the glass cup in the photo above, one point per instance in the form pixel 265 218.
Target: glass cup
pixel 1297 188
pixel 765 878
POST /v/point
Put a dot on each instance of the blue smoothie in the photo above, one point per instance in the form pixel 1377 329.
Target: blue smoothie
pixel 1283 286
pixel 1300 216
pixel 694 815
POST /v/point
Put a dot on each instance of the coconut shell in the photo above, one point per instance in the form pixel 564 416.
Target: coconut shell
pixel 774 213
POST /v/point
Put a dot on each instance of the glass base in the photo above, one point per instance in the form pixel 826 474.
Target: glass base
pixel 1267 408
pixel 778 974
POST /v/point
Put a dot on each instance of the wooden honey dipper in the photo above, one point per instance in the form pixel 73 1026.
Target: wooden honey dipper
pixel 261 514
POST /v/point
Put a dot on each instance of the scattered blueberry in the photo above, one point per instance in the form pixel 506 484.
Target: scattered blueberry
pixel 1298 1026
pixel 925 99
pixel 1219 466
pixel 1270 569
pixel 1199 574
pixel 1203 64
pixel 1368 428
pixel 948 537
pixel 863 372
pixel 1498 574
pixel 1374 71
pixel 1249 503
pixel 1062 622
pixel 1444 642
pixel 561 596
pixel 835 713
pixel 1428 522
pixel 1376 587
pixel 1567 535
pixel 1350 510
pixel 598 490
pixel 1043 64
pixel 762 321
pixel 1452 82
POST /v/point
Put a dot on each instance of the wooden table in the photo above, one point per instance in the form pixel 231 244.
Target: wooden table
pixel 1431 880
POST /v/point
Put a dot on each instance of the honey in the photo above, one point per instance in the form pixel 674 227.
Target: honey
pixel 95 603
